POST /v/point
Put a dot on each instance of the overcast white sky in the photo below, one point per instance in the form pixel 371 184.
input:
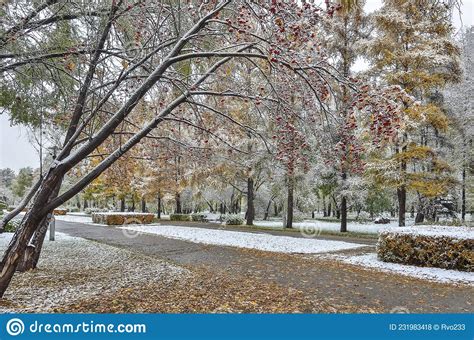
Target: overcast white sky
pixel 16 151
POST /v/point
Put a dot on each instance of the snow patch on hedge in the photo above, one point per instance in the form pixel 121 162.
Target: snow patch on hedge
pixel 75 218
pixel 463 233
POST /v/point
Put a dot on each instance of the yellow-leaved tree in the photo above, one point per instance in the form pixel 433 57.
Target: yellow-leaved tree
pixel 413 48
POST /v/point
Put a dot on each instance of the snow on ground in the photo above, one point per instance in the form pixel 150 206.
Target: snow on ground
pixel 368 228
pixel 260 241
pixel 433 274
pixel 71 269
pixel 465 233
pixel 74 218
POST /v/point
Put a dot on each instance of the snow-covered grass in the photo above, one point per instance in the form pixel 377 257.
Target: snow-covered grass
pixel 260 241
pixel 464 233
pixel 75 218
pixel 365 228
pixel 71 269
pixel 433 274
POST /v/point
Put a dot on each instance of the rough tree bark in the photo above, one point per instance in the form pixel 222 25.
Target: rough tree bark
pixel 290 205
pixel 158 209
pixel 402 199
pixel 250 215
pixel 178 203
pixel 33 250
pixel 344 214
pixel 463 185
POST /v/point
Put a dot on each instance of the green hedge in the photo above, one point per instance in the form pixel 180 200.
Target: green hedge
pixel 198 217
pixel 440 251
pixel 233 220
pixel 122 218
pixel 179 217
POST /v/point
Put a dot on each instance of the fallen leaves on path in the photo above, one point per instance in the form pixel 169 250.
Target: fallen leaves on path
pixel 206 292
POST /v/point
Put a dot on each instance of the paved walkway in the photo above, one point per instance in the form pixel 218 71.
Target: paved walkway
pixel 320 279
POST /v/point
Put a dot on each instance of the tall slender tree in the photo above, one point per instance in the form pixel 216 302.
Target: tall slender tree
pixel 414 49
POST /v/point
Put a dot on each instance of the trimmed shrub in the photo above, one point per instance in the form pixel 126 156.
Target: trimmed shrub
pixel 118 218
pixel 179 217
pixel 233 220
pixel 428 249
pixel 90 211
pixel 197 217
pixel 59 211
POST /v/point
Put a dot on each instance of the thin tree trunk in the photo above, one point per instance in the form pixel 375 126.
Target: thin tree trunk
pixel 290 206
pixel 267 210
pixel 463 193
pixel 178 203
pixel 402 198
pixel 250 204
pixel 158 211
pixel 143 205
pixel 343 214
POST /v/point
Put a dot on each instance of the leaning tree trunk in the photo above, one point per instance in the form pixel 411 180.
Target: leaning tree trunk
pixel 250 215
pixel 290 206
pixel 33 218
pixel 267 210
pixel 33 250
